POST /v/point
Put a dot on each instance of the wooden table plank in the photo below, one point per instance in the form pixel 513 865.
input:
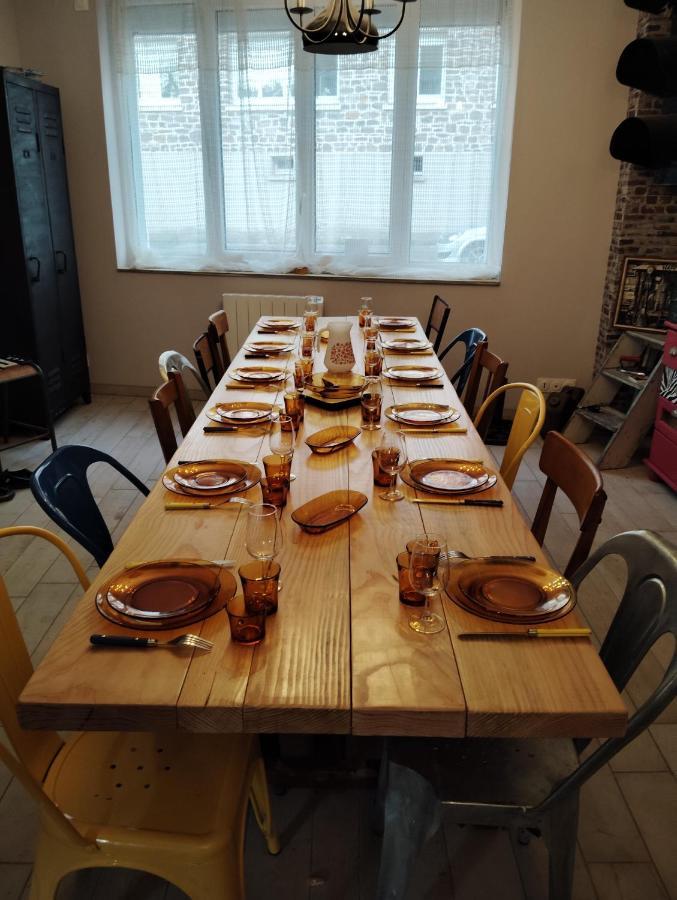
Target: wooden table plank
pixel 402 682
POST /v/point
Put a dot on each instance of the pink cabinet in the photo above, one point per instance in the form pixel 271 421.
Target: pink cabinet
pixel 663 455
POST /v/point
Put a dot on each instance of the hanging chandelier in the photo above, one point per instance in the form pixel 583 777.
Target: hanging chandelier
pixel 341 27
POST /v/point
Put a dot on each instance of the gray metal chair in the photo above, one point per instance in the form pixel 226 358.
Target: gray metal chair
pixel 173 361
pixel 530 785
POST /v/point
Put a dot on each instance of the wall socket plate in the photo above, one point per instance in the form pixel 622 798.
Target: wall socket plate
pixel 552 385
pixel 81 5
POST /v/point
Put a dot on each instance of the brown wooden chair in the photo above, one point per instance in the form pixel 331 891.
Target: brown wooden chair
pixel 570 470
pixel 172 393
pixel 216 335
pixel 206 363
pixel 493 370
pixel 437 321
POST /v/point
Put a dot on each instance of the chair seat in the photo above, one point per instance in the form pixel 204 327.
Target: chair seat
pixel 185 784
pixel 498 771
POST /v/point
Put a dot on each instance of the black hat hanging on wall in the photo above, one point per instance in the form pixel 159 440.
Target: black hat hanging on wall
pixel 650 6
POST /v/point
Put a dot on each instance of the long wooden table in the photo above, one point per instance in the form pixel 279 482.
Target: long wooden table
pixel 339 656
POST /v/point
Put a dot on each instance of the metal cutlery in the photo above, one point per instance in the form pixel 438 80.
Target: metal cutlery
pixel 183 504
pixel 395 382
pixel 118 640
pixel 529 633
pixel 459 554
pixel 218 429
pixel 444 501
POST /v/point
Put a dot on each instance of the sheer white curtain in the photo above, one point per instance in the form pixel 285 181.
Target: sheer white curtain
pixel 233 149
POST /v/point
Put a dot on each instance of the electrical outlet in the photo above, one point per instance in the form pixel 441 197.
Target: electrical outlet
pixel 81 5
pixel 552 385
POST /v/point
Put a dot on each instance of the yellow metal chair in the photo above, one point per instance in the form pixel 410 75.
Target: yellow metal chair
pixel 170 804
pixel 526 425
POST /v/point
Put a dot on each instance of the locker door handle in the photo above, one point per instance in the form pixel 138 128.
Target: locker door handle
pixel 60 269
pixel 35 275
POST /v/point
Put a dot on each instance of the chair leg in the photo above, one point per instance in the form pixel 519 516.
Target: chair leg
pixel 561 839
pixel 412 816
pixel 379 807
pixel 260 801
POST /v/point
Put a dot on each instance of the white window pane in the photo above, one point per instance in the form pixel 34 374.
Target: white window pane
pixel 171 211
pixel 353 151
pixel 455 143
pixel 258 140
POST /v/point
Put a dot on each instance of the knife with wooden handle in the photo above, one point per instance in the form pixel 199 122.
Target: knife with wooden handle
pixel 529 633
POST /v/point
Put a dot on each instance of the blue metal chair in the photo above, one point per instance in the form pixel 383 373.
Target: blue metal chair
pixel 471 337
pixel 60 486
pixel 531 786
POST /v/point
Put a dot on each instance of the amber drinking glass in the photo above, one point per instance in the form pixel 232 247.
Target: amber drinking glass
pixel 275 490
pixel 428 568
pixel 294 407
pixel 260 586
pixel 408 596
pixel 371 400
pixel 381 478
pixel 246 627
pixel 307 344
pixel 373 361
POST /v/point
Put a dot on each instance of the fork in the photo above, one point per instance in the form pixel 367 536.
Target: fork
pixel 118 640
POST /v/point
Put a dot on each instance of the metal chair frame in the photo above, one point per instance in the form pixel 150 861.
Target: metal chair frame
pixel 471 337
pixel 408 803
pixel 60 486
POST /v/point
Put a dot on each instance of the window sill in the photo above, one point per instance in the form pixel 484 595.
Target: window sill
pixel 312 276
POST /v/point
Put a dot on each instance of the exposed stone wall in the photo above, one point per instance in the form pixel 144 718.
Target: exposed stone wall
pixel 645 219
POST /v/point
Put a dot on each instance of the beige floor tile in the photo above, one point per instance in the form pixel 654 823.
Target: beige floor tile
pixel 38 611
pixel 607 831
pixel 19 819
pixel 666 738
pixel 627 881
pixel 652 798
pixel 482 864
pixel 642 755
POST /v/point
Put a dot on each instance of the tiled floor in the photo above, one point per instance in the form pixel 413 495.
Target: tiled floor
pixel 628 823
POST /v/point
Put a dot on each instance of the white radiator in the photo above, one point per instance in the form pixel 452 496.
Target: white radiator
pixel 244 311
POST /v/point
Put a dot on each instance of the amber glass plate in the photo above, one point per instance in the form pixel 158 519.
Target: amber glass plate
pixel 213 475
pixel 412 373
pixel 330 439
pixel 404 345
pixel 406 477
pixel 252 477
pixel 449 476
pixel 422 413
pixel 165 594
pixel 280 324
pixel 243 413
pixel 258 373
pixel 510 590
pixel 329 510
pixel 268 347
pixel 396 322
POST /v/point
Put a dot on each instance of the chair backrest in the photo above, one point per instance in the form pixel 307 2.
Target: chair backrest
pixel 172 393
pixel 60 486
pixel 36 749
pixel 206 363
pixel 493 369
pixel 470 338
pixel 173 361
pixel 33 750
pixel 437 321
pixel 526 425
pixel 647 611
pixel 570 470
pixel 216 334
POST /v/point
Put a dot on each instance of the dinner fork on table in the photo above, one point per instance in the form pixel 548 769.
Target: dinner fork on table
pixel 120 640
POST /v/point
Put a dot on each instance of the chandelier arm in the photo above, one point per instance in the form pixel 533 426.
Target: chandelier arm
pixel 357 29
pixel 401 19
pixel 305 31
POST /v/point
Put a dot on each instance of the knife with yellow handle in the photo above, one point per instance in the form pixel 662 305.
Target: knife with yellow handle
pixel 203 504
pixel 529 633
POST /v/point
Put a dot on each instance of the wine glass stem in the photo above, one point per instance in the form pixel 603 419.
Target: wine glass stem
pixel 393 483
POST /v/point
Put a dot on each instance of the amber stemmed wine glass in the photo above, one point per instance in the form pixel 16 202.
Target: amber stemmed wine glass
pixel 392 458
pixel 428 570
pixel 281 438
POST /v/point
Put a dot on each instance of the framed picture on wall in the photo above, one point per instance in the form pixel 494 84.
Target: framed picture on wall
pixel 647 286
